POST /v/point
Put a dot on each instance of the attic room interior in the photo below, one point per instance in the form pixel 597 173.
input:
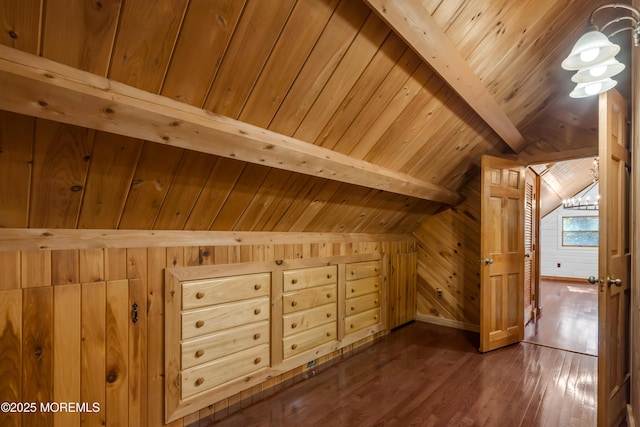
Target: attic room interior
pixel 205 203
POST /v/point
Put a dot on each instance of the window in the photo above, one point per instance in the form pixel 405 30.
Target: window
pixel 580 231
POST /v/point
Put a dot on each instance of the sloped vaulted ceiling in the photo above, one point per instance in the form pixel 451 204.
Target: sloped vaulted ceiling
pixel 336 77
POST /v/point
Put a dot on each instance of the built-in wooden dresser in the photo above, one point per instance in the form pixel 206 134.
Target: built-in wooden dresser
pixel 231 327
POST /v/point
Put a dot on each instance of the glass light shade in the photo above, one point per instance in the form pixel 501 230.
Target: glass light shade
pixel 597 72
pixel 582 90
pixel 590 49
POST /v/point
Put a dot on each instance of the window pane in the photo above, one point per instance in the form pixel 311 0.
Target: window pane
pixel 580 238
pixel 580 223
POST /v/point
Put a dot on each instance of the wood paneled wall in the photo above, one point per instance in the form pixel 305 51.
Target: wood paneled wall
pixel 448 259
pixel 66 333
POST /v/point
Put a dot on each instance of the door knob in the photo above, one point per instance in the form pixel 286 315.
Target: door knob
pixel 616 282
pixel 488 261
pixel 592 279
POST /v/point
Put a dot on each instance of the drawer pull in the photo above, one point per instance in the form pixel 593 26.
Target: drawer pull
pixel 294 303
pixel 199 323
pixel 329 295
pixel 199 353
pixel 257 360
pixel 352 326
pixel 328 315
pixel 375 301
pixel 375 317
pixel 353 308
pixel 199 381
pixel 294 281
pixel 328 334
pixel 257 336
pixel 294 325
pixel 200 295
pixel 353 290
pixel 376 285
pixel 257 287
pixel 294 346
pixel 257 311
pixel 329 276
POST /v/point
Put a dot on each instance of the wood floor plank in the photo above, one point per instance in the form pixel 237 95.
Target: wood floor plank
pixel 429 375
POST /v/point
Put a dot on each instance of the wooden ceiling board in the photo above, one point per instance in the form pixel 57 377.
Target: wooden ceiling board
pixel 21 24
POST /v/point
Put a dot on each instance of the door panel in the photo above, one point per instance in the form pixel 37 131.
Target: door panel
pixel 614 261
pixel 502 252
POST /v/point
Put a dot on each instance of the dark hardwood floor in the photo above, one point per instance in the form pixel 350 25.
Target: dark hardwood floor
pixel 569 318
pixel 428 375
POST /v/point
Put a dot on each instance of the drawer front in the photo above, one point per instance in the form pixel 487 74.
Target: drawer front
pixel 309 298
pixel 356 288
pixel 307 319
pixel 224 316
pixel 209 375
pixel 307 340
pixel 220 290
pixel 360 270
pixel 362 320
pixel 214 346
pixel 303 278
pixel 363 303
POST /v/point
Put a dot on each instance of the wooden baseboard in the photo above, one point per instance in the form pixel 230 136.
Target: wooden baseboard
pixel 457 324
pixel 565 279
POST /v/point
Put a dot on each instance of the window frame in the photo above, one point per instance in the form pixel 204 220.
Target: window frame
pixel 562 231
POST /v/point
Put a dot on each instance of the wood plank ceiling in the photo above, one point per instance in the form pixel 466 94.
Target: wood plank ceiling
pixel 326 72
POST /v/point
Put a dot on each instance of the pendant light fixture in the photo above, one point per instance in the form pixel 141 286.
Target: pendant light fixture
pixel 593 55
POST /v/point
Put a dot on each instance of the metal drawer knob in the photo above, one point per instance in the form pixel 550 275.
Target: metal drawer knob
pixel 256 336
pixel 199 381
pixel 257 287
pixel 200 295
pixel 199 353
pixel 199 323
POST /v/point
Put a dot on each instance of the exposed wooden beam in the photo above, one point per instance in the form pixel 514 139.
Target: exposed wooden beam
pixel 578 153
pixel 42 88
pixel 411 21
pixel 34 239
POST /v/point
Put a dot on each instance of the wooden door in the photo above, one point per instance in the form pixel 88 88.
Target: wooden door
pixel 502 252
pixel 614 261
pixel 401 292
pixel 530 242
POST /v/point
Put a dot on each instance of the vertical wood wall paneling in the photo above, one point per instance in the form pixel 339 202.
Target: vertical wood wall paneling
pixel 254 37
pixel 91 265
pixel 115 264
pixel 219 18
pixel 11 314
pixel 59 173
pixel 66 351
pixel 10 270
pixel 35 267
pixel 16 155
pixel 145 42
pixel 149 186
pixel 93 351
pixel 37 353
pixel 65 267
pixel 113 164
pixel 138 281
pixel 308 20
pixel 21 23
pixel 80 34
pixel 117 353
pixel 157 261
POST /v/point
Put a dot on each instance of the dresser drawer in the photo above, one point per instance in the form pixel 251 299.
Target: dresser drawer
pixel 309 298
pixel 360 270
pixel 361 320
pixel 302 320
pixel 309 339
pixel 220 371
pixel 356 288
pixel 220 290
pixel 214 346
pixel 224 316
pixel 303 278
pixel 363 303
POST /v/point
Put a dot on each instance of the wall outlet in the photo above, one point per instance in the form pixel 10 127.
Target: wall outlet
pixel 558 265
pixel 439 293
pixel 311 363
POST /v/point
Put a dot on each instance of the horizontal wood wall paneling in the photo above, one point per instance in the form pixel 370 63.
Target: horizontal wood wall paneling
pixel 218 19
pixel 81 35
pixel 21 21
pixel 16 160
pixel 298 37
pixel 145 41
pixel 251 44
pixel 11 314
pixel 336 38
pixel 150 185
pixel 113 163
pixel 182 195
pixel 59 174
